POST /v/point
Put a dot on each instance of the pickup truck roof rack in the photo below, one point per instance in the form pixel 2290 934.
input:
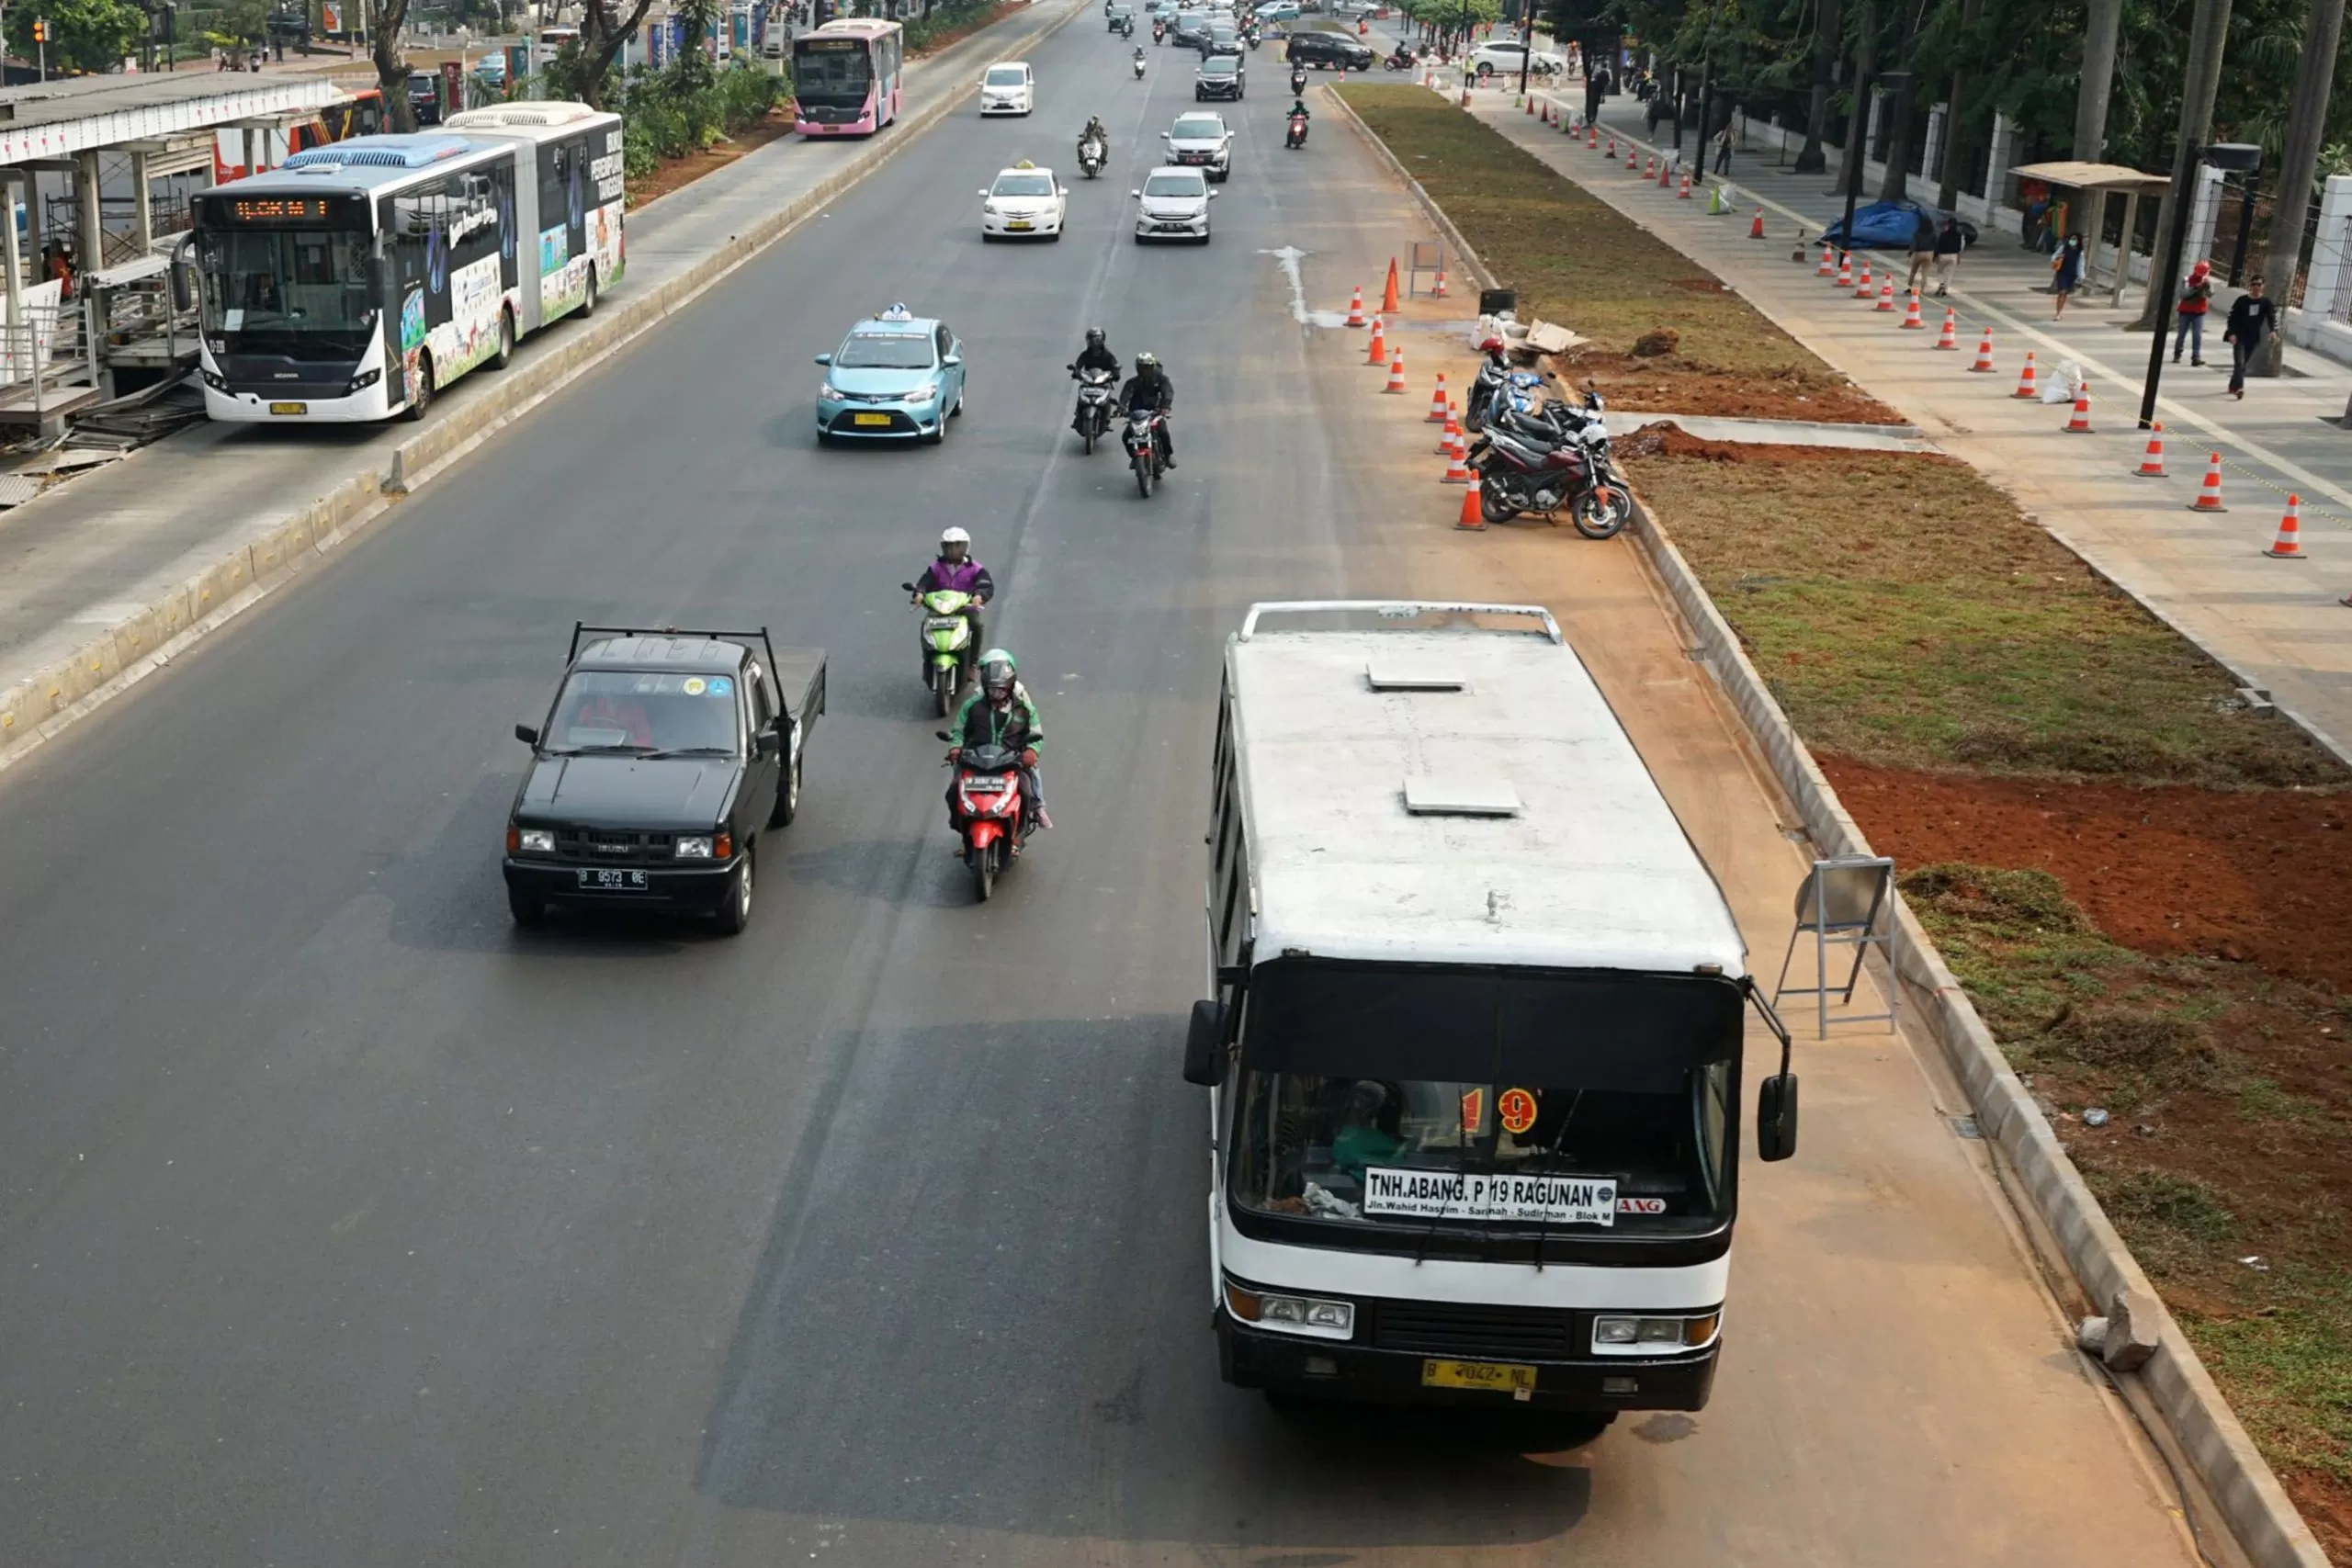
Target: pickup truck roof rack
pixel 582 628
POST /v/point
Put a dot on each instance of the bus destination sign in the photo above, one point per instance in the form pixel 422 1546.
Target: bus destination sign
pixel 814 44
pixel 277 209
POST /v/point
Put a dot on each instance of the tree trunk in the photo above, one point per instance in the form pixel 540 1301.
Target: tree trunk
pixel 1811 159
pixel 603 31
pixel 1960 140
pixel 1858 123
pixel 386 20
pixel 2207 34
pixel 1897 183
pixel 2098 80
pixel 2297 162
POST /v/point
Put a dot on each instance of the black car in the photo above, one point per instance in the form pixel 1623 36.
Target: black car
pixel 1328 51
pixel 1189 29
pixel 664 757
pixel 1220 76
pixel 1223 39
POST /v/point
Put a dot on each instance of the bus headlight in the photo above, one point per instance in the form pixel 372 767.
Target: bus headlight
pixel 217 383
pixel 1659 1333
pixel 362 381
pixel 1314 1315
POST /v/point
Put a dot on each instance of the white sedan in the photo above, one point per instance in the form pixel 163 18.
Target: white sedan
pixel 1504 59
pixel 1025 202
pixel 1010 87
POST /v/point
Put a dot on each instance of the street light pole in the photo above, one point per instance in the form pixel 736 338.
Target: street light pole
pixel 2235 157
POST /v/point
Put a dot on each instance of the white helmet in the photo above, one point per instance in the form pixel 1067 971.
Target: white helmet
pixel 952 537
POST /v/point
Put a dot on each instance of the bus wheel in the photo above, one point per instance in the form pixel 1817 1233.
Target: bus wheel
pixel 420 396
pixel 588 304
pixel 505 354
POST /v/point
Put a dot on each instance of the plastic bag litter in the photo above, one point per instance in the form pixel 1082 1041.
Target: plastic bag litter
pixel 1321 1202
pixel 2063 384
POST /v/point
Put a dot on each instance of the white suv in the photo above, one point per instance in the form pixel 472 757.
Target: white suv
pixel 1503 60
pixel 1007 89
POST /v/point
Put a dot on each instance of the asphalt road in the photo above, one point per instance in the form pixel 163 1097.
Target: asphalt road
pixel 343 1225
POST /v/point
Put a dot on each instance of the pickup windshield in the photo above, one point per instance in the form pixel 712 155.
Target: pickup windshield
pixel 646 713
pixel 1408 1097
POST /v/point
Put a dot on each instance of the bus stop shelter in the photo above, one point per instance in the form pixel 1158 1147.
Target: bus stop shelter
pixel 2095 182
pixel 64 135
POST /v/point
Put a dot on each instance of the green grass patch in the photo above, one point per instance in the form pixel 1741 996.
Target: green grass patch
pixel 1573 258
pixel 1904 614
pixel 2285 1367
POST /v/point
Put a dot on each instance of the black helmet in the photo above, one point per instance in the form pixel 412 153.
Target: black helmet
pixel 1094 337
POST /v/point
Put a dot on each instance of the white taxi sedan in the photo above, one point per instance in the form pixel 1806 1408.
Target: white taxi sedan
pixel 1025 202
pixel 1009 87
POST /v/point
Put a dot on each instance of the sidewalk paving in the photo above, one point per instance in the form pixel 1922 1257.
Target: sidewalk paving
pixel 95 553
pixel 2277 623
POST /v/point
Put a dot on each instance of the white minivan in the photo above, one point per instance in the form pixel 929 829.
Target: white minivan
pixel 1007 89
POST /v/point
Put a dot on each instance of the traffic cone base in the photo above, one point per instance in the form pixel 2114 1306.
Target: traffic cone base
pixel 1473 518
pixel 2209 493
pixel 2289 546
pixel 2152 467
pixel 2025 377
pixel 1985 352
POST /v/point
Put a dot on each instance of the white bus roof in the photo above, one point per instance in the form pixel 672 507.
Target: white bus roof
pixel 531 119
pixel 1457 797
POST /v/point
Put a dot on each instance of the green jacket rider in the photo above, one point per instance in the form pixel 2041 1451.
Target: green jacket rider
pixel 1000 712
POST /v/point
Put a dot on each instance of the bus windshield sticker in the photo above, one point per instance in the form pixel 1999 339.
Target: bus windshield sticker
pixel 1641 1205
pixel 1472 1195
pixel 1474 1113
pixel 1517 1109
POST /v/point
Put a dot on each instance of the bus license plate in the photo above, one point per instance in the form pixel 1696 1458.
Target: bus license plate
pixel 601 880
pixel 1495 1375
pixel 289 408
pixel 869 419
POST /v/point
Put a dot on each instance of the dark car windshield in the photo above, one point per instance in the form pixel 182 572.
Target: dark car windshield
pixel 1405 1095
pixel 886 351
pixel 1222 65
pixel 645 714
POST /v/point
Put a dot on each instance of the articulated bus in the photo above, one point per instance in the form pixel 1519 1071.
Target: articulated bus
pixel 1475 1038
pixel 848 78
pixel 360 278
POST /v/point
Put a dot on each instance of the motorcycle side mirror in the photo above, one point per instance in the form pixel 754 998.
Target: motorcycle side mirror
pixel 907 586
pixel 944 736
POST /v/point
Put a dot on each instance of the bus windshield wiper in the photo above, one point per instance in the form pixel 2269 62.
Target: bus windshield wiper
pixel 1543 1226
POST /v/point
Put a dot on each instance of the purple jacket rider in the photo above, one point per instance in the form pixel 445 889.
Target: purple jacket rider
pixel 966 576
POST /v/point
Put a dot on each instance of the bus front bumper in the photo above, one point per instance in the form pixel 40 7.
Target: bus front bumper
pixel 1351 1373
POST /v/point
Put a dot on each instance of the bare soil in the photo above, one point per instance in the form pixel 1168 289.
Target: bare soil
pixel 1671 384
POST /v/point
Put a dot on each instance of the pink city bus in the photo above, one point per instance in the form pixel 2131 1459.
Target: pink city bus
pixel 847 79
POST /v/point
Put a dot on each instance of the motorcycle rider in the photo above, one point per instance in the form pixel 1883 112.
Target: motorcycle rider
pixel 1002 713
pixel 1139 60
pixel 1096 134
pixel 1297 111
pixel 1298 81
pixel 1096 355
pixel 958 573
pixel 1150 388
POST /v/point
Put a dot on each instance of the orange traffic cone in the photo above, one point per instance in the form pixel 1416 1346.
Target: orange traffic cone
pixel 1457 462
pixel 2208 494
pixel 1452 433
pixel 1685 192
pixel 1439 291
pixel 1379 344
pixel 1886 296
pixel 1531 104
pixel 2079 423
pixel 1437 400
pixel 1388 295
pixel 1632 160
pixel 2289 544
pixel 1985 352
pixel 1473 517
pixel 1592 135
pixel 1355 309
pixel 1651 173
pixel 1950 337
pixel 1865 291
pixel 2152 466
pixel 1611 150
pixel 1828 262
pixel 1756 228
pixel 1396 373
pixel 1911 322
pixel 1845 270
pixel 2025 379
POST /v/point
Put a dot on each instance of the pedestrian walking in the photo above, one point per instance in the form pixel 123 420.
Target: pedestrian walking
pixel 2252 319
pixel 1950 242
pixel 2196 299
pixel 2066 270
pixel 1923 253
pixel 1723 150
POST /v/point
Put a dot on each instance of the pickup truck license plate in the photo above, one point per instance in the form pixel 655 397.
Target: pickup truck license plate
pixel 289 408
pixel 601 879
pixel 869 419
pixel 1495 1375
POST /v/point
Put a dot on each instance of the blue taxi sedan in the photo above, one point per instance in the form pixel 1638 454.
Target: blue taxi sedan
pixel 896 376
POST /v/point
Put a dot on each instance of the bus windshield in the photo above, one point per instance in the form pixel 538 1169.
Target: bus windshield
pixel 1409 1097
pixel 300 292
pixel 832 69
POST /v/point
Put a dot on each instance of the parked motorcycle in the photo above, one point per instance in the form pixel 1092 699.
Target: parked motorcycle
pixel 1553 457
pixel 1297 136
pixel 1091 156
pixel 1496 386
pixel 984 809
pixel 1141 438
pixel 1097 395
pixel 946 643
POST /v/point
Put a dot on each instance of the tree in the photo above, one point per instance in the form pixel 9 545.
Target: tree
pixel 585 67
pixel 1827 22
pixel 2209 31
pixel 2098 80
pixel 2323 33
pixel 386 21
pixel 84 35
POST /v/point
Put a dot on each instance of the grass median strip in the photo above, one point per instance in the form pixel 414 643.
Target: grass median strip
pixel 1666 334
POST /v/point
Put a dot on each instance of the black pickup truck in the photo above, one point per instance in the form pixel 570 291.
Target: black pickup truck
pixel 664 757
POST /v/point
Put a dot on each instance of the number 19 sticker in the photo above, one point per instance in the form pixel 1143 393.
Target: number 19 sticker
pixel 1516 1106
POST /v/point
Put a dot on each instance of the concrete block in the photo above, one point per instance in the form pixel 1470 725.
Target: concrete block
pixel 2134 1329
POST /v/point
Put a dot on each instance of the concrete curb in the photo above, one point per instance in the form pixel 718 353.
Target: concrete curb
pixel 2253 1503
pixel 52 699
pixel 2253 1507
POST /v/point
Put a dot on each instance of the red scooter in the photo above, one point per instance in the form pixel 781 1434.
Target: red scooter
pixel 984 809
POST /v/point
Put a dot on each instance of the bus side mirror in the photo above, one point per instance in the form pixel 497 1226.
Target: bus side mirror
pixel 1204 1045
pixel 1776 1117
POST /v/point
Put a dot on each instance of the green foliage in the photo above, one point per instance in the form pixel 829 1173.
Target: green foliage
pixel 942 20
pixel 84 35
pixel 688 106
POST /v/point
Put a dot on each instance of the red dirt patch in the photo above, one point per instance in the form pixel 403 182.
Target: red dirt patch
pixel 2254 877
pixel 1673 386
pixel 684 171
